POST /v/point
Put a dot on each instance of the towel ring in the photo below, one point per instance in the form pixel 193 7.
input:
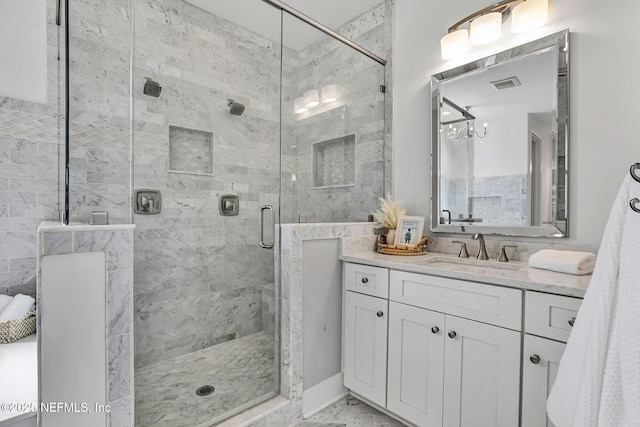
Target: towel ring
pixel 635 167
pixel 633 203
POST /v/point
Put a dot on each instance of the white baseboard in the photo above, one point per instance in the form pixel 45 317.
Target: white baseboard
pixel 323 395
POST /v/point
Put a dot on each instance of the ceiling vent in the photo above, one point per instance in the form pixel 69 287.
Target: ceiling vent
pixel 508 83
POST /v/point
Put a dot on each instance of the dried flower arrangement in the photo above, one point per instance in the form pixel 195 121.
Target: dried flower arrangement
pixel 389 212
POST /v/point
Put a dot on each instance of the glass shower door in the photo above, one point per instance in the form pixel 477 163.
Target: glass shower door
pixel 206 94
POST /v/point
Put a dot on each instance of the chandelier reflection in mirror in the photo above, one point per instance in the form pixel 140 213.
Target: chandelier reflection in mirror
pixel 460 130
pixel 466 132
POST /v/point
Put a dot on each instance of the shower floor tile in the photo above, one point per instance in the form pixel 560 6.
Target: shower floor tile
pixel 241 370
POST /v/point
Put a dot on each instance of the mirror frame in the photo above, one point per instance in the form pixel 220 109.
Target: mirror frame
pixel 558 41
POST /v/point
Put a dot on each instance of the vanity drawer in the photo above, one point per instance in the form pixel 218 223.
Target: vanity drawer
pixel 368 280
pixel 476 301
pixel 550 315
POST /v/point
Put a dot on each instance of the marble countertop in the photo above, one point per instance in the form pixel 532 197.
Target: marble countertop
pixel 514 274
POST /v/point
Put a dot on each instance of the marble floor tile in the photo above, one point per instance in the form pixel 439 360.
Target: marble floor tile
pixel 350 412
pixel 241 370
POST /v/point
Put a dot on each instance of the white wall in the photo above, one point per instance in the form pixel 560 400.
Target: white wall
pixel 322 311
pixel 23 30
pixel 603 95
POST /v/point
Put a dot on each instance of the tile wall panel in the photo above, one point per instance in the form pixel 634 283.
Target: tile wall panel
pixel 29 147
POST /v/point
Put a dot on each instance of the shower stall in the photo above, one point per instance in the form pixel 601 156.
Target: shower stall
pixel 206 127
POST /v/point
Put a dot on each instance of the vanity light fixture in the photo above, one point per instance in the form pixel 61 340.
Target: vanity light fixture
pixel 485 25
pixel 311 98
pixel 485 28
pixel 329 94
pixel 529 15
pixel 298 106
pixel 321 99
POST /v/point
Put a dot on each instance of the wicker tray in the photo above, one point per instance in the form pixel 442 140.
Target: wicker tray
pixel 419 249
pixel 13 330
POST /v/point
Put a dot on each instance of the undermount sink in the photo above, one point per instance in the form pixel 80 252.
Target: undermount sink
pixel 471 262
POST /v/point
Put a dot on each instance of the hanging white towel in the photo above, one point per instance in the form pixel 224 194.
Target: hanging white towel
pixel 598 381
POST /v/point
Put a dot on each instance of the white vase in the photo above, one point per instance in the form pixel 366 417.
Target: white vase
pixel 391 237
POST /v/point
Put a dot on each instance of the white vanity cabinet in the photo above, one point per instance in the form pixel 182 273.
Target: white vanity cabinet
pixel 447 370
pixel 457 349
pixel 548 322
pixel 416 364
pixel 365 331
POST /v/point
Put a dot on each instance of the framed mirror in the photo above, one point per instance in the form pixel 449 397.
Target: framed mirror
pixel 500 142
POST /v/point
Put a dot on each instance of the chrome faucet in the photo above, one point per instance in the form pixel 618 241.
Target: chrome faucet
pixel 463 249
pixel 482 252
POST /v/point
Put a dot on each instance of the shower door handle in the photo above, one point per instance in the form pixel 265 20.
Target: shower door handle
pixel 262 209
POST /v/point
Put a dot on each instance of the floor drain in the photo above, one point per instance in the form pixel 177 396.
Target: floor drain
pixel 205 390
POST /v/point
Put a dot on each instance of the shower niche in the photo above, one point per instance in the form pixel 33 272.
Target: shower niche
pixel 190 151
pixel 334 162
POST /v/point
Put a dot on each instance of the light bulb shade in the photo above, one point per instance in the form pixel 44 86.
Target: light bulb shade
pixel 454 44
pixel 311 98
pixel 485 28
pixel 298 106
pixel 529 15
pixel 329 94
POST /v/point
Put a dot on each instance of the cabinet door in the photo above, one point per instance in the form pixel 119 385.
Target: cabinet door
pixel 416 362
pixel 365 346
pixel 482 375
pixel 538 376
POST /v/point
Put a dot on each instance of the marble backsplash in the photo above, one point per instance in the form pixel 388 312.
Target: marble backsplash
pixel 445 245
pixel 522 252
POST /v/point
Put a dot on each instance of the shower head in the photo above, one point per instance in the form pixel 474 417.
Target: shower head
pixel 236 109
pixel 151 87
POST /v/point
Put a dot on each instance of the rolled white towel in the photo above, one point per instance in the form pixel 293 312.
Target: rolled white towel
pixel 18 307
pixel 4 301
pixel 571 262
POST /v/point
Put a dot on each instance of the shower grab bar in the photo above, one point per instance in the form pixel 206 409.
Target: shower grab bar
pixel 328 31
pixel 633 203
pixel 262 209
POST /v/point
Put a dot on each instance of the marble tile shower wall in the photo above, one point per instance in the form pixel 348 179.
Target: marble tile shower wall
pixel 29 149
pixel 500 199
pixel 99 53
pixel 495 199
pixel 330 62
pixel 198 275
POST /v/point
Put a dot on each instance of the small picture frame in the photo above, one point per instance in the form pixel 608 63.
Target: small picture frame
pixel 409 230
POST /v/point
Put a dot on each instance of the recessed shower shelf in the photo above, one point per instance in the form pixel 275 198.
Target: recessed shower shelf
pixel 190 151
pixel 334 162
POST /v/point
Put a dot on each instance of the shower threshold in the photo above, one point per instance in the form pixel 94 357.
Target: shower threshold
pixel 240 374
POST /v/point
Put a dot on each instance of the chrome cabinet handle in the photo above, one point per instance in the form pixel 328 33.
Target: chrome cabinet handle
pixel 365 280
pixel 535 359
pixel 262 209
pixel 435 329
pixel 379 314
pixel 452 334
